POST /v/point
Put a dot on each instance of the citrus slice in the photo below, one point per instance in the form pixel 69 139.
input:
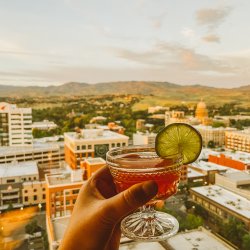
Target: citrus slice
pixel 179 138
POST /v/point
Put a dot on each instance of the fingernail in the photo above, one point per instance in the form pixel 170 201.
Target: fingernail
pixel 150 188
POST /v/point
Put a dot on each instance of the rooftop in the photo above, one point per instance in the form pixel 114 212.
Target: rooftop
pixel 200 239
pixel 18 169
pixel 63 179
pixel 225 198
pixel 97 160
pixel 239 176
pixel 38 145
pixel 204 127
pixel 208 166
pixel 192 173
pixel 94 134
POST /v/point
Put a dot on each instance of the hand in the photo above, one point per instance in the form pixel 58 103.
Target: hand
pixel 95 221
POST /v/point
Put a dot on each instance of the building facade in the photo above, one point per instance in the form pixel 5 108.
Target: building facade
pixel 216 136
pixel 140 138
pixel 15 125
pixel 90 143
pixel 238 140
pixel 222 203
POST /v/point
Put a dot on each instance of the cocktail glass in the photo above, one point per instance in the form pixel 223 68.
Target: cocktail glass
pixel 135 164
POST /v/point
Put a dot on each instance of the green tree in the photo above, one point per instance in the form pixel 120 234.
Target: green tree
pixel 246 242
pixel 191 222
pixel 211 144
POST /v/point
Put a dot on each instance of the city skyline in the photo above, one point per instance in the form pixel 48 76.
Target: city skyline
pixel 53 42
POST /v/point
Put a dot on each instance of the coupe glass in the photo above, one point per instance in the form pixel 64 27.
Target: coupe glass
pixel 135 164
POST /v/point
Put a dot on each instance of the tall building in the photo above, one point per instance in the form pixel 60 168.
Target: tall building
pixel 90 143
pixel 238 140
pixel 201 113
pixel 15 125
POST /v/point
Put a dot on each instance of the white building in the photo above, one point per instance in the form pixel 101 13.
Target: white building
pixel 143 138
pixel 44 125
pixel 237 182
pixel 15 125
pixel 222 203
pixel 215 135
pixel 200 238
pixel 48 153
pixel 155 109
pixel 20 180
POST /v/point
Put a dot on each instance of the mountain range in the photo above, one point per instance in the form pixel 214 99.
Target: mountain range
pixel 162 89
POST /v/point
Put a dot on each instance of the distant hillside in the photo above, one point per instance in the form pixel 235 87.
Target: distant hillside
pixel 167 90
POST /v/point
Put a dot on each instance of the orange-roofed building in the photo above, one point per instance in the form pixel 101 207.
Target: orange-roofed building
pixel 91 165
pixel 229 161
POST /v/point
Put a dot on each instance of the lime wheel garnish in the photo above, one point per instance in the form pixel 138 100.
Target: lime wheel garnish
pixel 179 138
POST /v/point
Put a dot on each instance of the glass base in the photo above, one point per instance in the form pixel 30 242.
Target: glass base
pixel 149 226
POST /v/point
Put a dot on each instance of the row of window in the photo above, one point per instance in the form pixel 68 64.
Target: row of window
pixel 113 145
pixel 26 198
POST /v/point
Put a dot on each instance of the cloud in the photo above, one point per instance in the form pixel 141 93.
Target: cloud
pixel 187 32
pixel 212 17
pixel 166 55
pixel 211 38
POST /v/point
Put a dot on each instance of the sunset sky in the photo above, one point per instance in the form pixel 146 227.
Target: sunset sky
pixel 49 42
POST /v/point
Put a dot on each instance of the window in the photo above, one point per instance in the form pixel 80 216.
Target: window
pixel 25 191
pixel 89 146
pixel 83 147
pixel 34 178
pixel 113 145
pixel 10 180
pixel 35 197
pixel 78 147
pixel 118 144
pixel 44 196
pixel 75 191
pixel 123 144
pixel 44 189
pixel 34 190
pixel 26 198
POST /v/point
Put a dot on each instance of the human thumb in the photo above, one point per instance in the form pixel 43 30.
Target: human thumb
pixel 125 202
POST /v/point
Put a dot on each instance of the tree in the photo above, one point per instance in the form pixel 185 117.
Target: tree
pixel 191 222
pixel 246 242
pixel 211 144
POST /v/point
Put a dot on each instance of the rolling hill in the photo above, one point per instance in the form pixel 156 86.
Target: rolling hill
pixel 168 91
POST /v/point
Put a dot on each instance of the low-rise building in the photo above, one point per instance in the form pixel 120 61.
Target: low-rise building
pixel 236 160
pixel 91 165
pixel 20 185
pixel 237 182
pixel 214 136
pixel 44 125
pixel 140 138
pixel 90 143
pixel 46 152
pixel 209 169
pixel 200 238
pixel 222 203
pixel 238 140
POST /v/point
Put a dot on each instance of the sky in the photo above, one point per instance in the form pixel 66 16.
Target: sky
pixel 51 42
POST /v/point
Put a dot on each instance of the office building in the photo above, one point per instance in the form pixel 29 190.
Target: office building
pixel 47 152
pixel 222 203
pixel 20 185
pixel 238 140
pixel 215 136
pixel 90 143
pixel 44 125
pixel 15 125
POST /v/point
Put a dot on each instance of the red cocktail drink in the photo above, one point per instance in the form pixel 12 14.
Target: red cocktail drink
pixel 135 164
